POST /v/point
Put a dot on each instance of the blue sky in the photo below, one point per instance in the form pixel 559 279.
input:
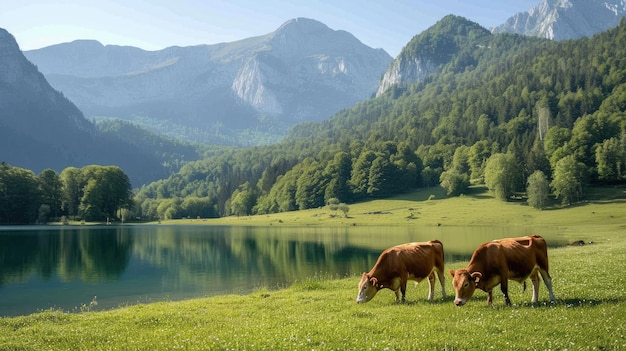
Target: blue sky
pixel 156 24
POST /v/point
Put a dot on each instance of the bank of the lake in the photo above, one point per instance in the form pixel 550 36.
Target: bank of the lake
pixel 320 312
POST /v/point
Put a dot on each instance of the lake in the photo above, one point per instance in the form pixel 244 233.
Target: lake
pixel 64 268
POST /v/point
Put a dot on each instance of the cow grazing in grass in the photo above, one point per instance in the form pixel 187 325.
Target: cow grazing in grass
pixel 497 261
pixel 398 264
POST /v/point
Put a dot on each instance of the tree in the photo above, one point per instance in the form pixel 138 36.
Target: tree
pixel 429 176
pixel 243 200
pixel 454 183
pixel 50 186
pixel 611 160
pixel 72 190
pixel 456 180
pixel 170 208
pixel 477 157
pixel 344 208
pixel 536 159
pixel 538 190
pixel 338 172
pixel 501 174
pixel 107 189
pixel 20 197
pixel 555 139
pixel 591 130
pixel 360 173
pixel 311 185
pixel 198 207
pixel 381 179
pixel 569 178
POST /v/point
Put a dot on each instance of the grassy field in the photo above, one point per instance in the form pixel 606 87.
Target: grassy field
pixel 320 313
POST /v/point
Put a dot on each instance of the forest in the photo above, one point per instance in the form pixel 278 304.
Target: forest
pixel 514 113
pixel 91 193
pixel 523 116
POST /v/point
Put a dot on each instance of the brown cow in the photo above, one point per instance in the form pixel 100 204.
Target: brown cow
pixel 498 261
pixel 396 265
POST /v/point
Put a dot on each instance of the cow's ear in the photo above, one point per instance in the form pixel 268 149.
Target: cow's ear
pixel 451 271
pixel 476 276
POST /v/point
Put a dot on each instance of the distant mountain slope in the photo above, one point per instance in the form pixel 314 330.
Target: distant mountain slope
pixel 40 128
pixel 244 92
pixel 566 19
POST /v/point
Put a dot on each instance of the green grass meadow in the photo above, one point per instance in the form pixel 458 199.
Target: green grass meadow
pixel 320 313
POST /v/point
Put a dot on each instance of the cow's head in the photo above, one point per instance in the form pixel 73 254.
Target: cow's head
pixel 464 284
pixel 368 287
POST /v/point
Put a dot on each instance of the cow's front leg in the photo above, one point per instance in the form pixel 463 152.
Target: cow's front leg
pixel 489 298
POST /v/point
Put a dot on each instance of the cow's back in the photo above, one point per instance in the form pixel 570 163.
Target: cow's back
pixel 520 255
pixel 420 258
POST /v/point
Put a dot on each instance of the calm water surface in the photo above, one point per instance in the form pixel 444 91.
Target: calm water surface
pixel 66 267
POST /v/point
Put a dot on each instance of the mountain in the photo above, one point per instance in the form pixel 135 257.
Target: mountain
pixel 486 111
pixel 427 52
pixel 245 92
pixel 40 128
pixel 566 19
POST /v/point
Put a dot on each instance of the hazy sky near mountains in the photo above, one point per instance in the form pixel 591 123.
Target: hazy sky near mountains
pixel 156 24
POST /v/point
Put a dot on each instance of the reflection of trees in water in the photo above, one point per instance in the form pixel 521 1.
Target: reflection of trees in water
pixel 225 254
pixel 88 254
pixel 15 254
pixel 202 255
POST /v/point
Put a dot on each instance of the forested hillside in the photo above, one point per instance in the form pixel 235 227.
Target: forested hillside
pixel 505 110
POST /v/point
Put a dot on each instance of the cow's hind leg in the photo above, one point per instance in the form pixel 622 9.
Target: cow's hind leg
pixel 548 281
pixel 403 282
pixel 431 286
pixel 534 278
pixel 442 281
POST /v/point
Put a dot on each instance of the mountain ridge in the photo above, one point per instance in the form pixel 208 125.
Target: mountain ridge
pixel 303 71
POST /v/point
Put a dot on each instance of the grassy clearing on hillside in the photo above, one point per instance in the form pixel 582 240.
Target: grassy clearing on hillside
pixel 432 207
pixel 320 313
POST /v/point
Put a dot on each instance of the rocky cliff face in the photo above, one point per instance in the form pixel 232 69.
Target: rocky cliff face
pixel 566 19
pixel 427 52
pixel 405 71
pixel 304 71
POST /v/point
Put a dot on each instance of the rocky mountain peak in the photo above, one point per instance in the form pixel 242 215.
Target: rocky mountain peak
pixel 566 19
pixel 7 41
pixel 304 36
pixel 427 52
pixel 302 25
